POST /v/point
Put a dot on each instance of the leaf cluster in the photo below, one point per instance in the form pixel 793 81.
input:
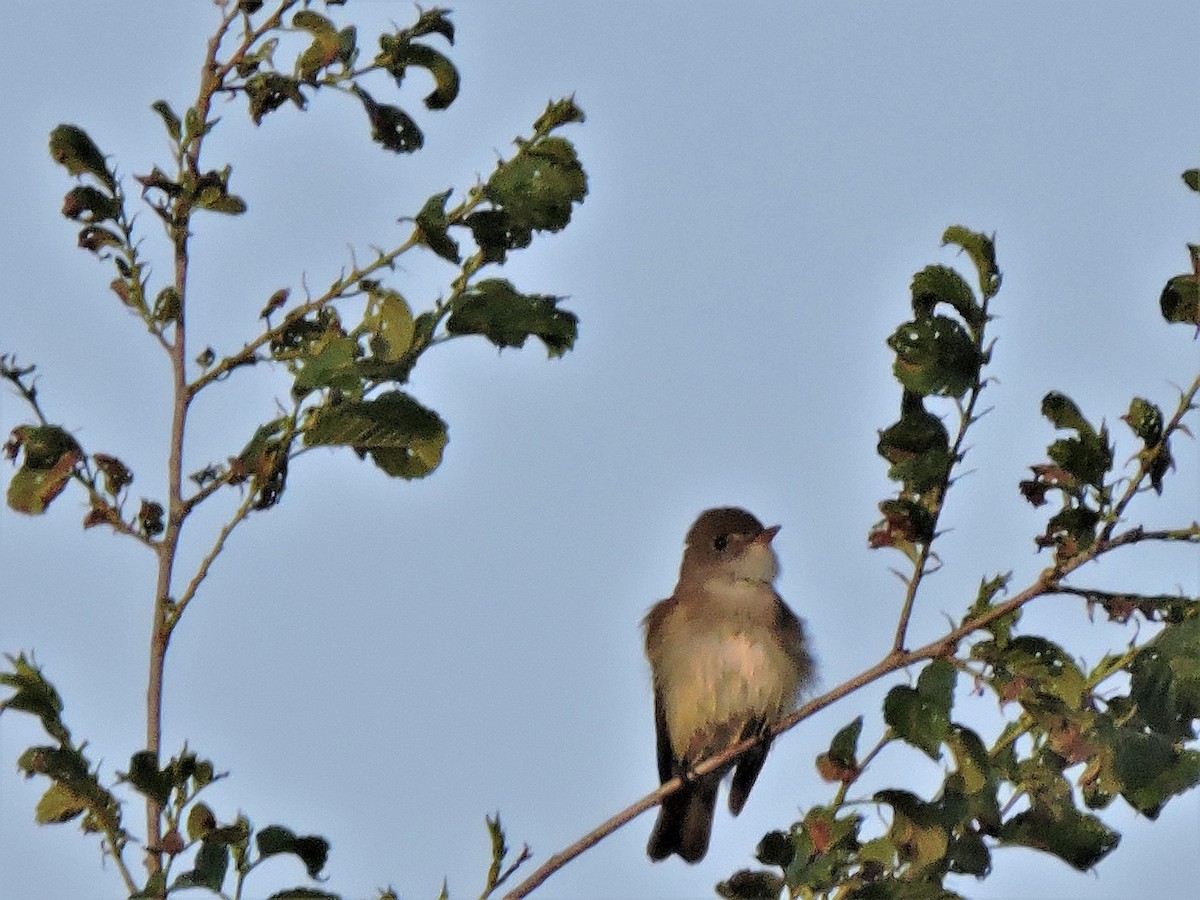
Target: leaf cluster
pixel 939 353
pixel 1076 744
pixel 349 350
pixel 330 60
pixel 1074 738
pixel 193 837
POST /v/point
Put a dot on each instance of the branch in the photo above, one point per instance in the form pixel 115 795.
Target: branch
pixel 966 419
pixel 1187 403
pixel 249 353
pixel 243 510
pixel 15 375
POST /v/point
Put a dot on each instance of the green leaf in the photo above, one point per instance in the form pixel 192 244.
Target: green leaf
pixel 148 779
pixel 920 835
pixel 314 23
pixel 325 49
pixel 941 284
pixel 921 716
pixel 1151 769
pixel 431 225
pixel 775 849
pixel 331 365
pixel 212 861
pixel 1063 412
pixel 840 761
pixel 445 75
pixel 558 113
pixel 267 91
pixel 51 455
pixel 982 250
pixel 154 888
pixel 905 523
pixel 1001 629
pixel 66 765
pixel 537 187
pixel 402 437
pixel 434 21
pixel 495 309
pixel 970 760
pixel 394 327
pixel 1191 178
pixel 1145 419
pixel 59 804
pixel 312 850
pixel 214 201
pixel 303 893
pixel 747 885
pixel 1165 680
pixel 170 120
pixel 265 460
pixel 89 204
pixel 1036 672
pixel 95 239
pixel 258 457
pixel 72 149
pixel 1180 300
pixel 917 446
pixel 935 355
pixel 391 127
pixel 1060 829
pixel 200 821
pixel 398 51
pixel 1088 457
pixel 35 695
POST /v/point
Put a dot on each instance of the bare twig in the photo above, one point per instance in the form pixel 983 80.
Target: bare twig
pixel 243 510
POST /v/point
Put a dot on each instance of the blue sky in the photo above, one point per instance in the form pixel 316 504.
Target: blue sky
pixel 384 662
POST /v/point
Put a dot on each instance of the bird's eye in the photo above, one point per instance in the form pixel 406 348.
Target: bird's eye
pixel 721 542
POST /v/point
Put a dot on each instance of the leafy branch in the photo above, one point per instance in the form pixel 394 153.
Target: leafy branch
pixel 345 375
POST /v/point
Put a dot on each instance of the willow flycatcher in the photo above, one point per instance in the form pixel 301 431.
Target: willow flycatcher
pixel 728 660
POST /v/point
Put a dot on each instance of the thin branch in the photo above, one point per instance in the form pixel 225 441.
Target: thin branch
pixel 115 521
pixel 966 419
pixel 189 503
pixel 164 610
pixel 122 868
pixel 1095 595
pixel 249 353
pixel 15 375
pixel 1187 402
pixel 243 510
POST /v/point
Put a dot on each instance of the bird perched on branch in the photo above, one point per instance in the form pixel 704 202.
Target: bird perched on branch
pixel 728 660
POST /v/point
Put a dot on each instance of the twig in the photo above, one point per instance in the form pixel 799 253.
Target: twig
pixel 966 419
pixel 243 510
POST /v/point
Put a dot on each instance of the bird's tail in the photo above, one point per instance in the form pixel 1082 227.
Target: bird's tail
pixel 685 821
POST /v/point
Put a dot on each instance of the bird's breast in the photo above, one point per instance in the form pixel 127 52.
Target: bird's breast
pixel 717 681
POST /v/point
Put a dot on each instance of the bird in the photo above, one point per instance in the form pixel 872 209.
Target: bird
pixel 728 659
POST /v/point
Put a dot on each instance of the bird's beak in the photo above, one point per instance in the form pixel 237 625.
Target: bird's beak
pixel 768 534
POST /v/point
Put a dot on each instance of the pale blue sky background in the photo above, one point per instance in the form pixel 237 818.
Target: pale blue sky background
pixel 383 662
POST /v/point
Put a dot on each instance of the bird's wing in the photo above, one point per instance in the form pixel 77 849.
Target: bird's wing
pixel 666 759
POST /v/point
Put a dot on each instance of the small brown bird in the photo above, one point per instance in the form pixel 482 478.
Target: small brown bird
pixel 728 660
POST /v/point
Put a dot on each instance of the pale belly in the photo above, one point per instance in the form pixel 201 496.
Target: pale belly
pixel 723 684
